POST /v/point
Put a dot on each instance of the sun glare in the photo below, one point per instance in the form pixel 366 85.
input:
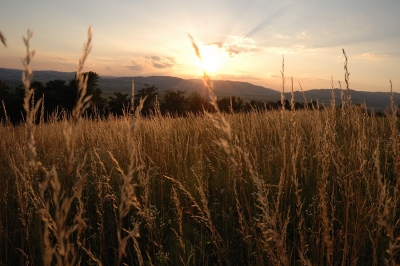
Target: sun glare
pixel 212 58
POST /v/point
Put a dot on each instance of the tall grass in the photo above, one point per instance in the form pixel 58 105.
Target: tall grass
pixel 310 187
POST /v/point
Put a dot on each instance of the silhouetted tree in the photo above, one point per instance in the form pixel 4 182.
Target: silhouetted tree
pixel 228 104
pixel 151 93
pixel 92 89
pixel 286 104
pixel 58 94
pixel 173 102
pixel 298 105
pixel 197 103
pixel 272 105
pixel 13 99
pixel 312 105
pixel 5 92
pixel 118 103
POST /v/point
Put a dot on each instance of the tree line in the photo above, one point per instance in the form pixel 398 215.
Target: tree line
pixel 60 96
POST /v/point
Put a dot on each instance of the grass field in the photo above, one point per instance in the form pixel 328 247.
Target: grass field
pixel 310 187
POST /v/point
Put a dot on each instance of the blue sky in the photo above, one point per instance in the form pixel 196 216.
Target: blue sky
pixel 239 40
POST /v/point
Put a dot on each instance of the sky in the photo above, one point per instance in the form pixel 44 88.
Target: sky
pixel 242 40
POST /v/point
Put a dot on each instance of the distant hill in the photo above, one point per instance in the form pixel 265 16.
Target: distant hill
pixel 248 91
pixel 375 100
pixel 14 76
pixel 221 87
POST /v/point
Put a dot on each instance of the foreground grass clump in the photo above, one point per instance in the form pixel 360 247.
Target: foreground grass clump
pixel 312 187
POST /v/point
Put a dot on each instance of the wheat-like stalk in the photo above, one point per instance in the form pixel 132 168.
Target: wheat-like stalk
pixel 3 39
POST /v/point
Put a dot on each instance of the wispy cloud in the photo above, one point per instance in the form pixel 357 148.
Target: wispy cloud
pixel 150 62
pixel 372 56
pixel 242 44
pixel 232 51
pixel 135 67
pixel 171 59
pixel 161 61
pixel 162 65
pixel 218 44
pixel 234 45
pixel 154 57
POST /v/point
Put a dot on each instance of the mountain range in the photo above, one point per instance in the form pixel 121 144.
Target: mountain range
pixel 222 88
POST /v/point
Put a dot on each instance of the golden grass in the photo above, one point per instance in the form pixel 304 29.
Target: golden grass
pixel 311 187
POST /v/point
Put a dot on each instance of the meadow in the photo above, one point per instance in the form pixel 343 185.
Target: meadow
pixel 286 187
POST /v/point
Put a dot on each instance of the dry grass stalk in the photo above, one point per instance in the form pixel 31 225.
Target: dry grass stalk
pixel 216 237
pixel 333 98
pixel 346 79
pixel 283 88
pixel 128 196
pixel 203 215
pixel 56 228
pixel 7 119
pixel 179 233
pixel 304 97
pixel 3 39
pixel 323 193
pixel 292 97
pixel 80 107
pixel 295 148
pixel 390 209
pixel 133 96
pixel 244 228
pixel 395 141
pixel 27 76
pixel 386 209
pixel 269 225
pixel 218 120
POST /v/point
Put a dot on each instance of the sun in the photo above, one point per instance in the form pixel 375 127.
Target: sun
pixel 212 58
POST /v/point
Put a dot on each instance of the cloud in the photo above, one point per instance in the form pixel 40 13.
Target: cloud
pixel 108 68
pixel 218 44
pixel 242 44
pixel 135 67
pixel 62 59
pixel 155 58
pixel 223 46
pixel 372 56
pixel 234 45
pixel 171 59
pixel 231 51
pixel 150 63
pixel 161 62
pixel 162 65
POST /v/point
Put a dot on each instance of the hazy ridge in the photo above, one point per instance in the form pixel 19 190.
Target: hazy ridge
pixel 248 91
